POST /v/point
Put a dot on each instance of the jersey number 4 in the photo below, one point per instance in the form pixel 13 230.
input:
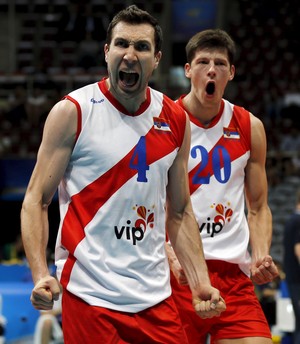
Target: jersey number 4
pixel 138 160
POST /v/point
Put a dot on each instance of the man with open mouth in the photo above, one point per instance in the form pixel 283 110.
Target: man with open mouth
pixel 117 150
pixel 226 170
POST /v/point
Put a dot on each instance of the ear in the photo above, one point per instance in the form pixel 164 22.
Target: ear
pixel 187 70
pixel 157 58
pixel 106 49
pixel 232 72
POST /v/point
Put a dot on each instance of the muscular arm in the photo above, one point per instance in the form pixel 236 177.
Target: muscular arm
pixel 53 156
pixel 263 269
pixel 184 233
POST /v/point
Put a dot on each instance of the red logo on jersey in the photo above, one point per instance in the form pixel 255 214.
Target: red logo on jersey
pixel 224 214
pixel 146 218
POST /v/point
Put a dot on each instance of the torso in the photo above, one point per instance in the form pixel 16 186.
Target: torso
pixel 110 247
pixel 219 154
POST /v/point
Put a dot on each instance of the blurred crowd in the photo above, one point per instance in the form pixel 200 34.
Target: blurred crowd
pixel 59 48
pixel 71 40
pixel 267 83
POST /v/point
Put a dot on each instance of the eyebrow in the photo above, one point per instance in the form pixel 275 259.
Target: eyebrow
pixel 132 42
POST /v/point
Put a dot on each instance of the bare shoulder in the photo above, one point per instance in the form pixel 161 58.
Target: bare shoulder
pixel 258 138
pixel 64 110
pixel 62 121
pixel 256 123
pixel 257 128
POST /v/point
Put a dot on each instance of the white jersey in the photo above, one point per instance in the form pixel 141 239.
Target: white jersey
pixel 110 246
pixel 218 157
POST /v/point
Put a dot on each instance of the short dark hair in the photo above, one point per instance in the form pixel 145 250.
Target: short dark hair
pixel 211 38
pixel 134 15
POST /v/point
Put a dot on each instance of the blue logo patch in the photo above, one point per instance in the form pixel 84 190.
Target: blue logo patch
pixel 94 101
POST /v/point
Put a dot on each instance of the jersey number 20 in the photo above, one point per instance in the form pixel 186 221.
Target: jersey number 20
pixel 219 159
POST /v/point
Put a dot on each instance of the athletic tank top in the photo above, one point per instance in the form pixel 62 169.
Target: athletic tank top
pixel 110 246
pixel 218 157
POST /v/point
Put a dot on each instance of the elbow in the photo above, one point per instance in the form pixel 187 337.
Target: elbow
pixel 34 201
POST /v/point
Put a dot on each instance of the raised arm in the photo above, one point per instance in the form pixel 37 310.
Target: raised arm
pixel 185 237
pixel 263 269
pixel 52 159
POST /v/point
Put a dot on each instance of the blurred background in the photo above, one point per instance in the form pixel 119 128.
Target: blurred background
pixel 49 48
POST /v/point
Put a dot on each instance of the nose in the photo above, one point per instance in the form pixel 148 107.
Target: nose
pixel 211 68
pixel 130 54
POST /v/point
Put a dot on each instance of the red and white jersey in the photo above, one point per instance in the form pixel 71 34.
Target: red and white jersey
pixel 218 157
pixel 110 246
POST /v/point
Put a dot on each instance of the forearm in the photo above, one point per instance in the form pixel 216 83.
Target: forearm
pixel 260 225
pixel 34 227
pixel 170 253
pixel 186 242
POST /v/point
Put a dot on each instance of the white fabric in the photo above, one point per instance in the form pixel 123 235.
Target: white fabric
pixel 219 201
pixel 120 262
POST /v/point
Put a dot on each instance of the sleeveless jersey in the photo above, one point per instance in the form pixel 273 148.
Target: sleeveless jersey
pixel 110 245
pixel 218 157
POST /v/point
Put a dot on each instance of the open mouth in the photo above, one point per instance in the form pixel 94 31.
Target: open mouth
pixel 210 88
pixel 128 79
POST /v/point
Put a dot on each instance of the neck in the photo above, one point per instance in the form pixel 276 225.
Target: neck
pixel 204 114
pixel 131 102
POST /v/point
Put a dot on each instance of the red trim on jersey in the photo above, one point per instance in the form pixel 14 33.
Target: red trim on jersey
pixel 79 115
pixel 196 121
pixel 177 127
pixel 103 87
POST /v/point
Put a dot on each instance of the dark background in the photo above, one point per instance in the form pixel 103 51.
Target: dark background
pixel 49 49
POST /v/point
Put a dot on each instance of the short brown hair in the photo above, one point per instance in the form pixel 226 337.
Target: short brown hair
pixel 211 38
pixel 134 15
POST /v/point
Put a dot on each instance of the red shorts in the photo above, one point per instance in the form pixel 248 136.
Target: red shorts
pixel 87 324
pixel 243 317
